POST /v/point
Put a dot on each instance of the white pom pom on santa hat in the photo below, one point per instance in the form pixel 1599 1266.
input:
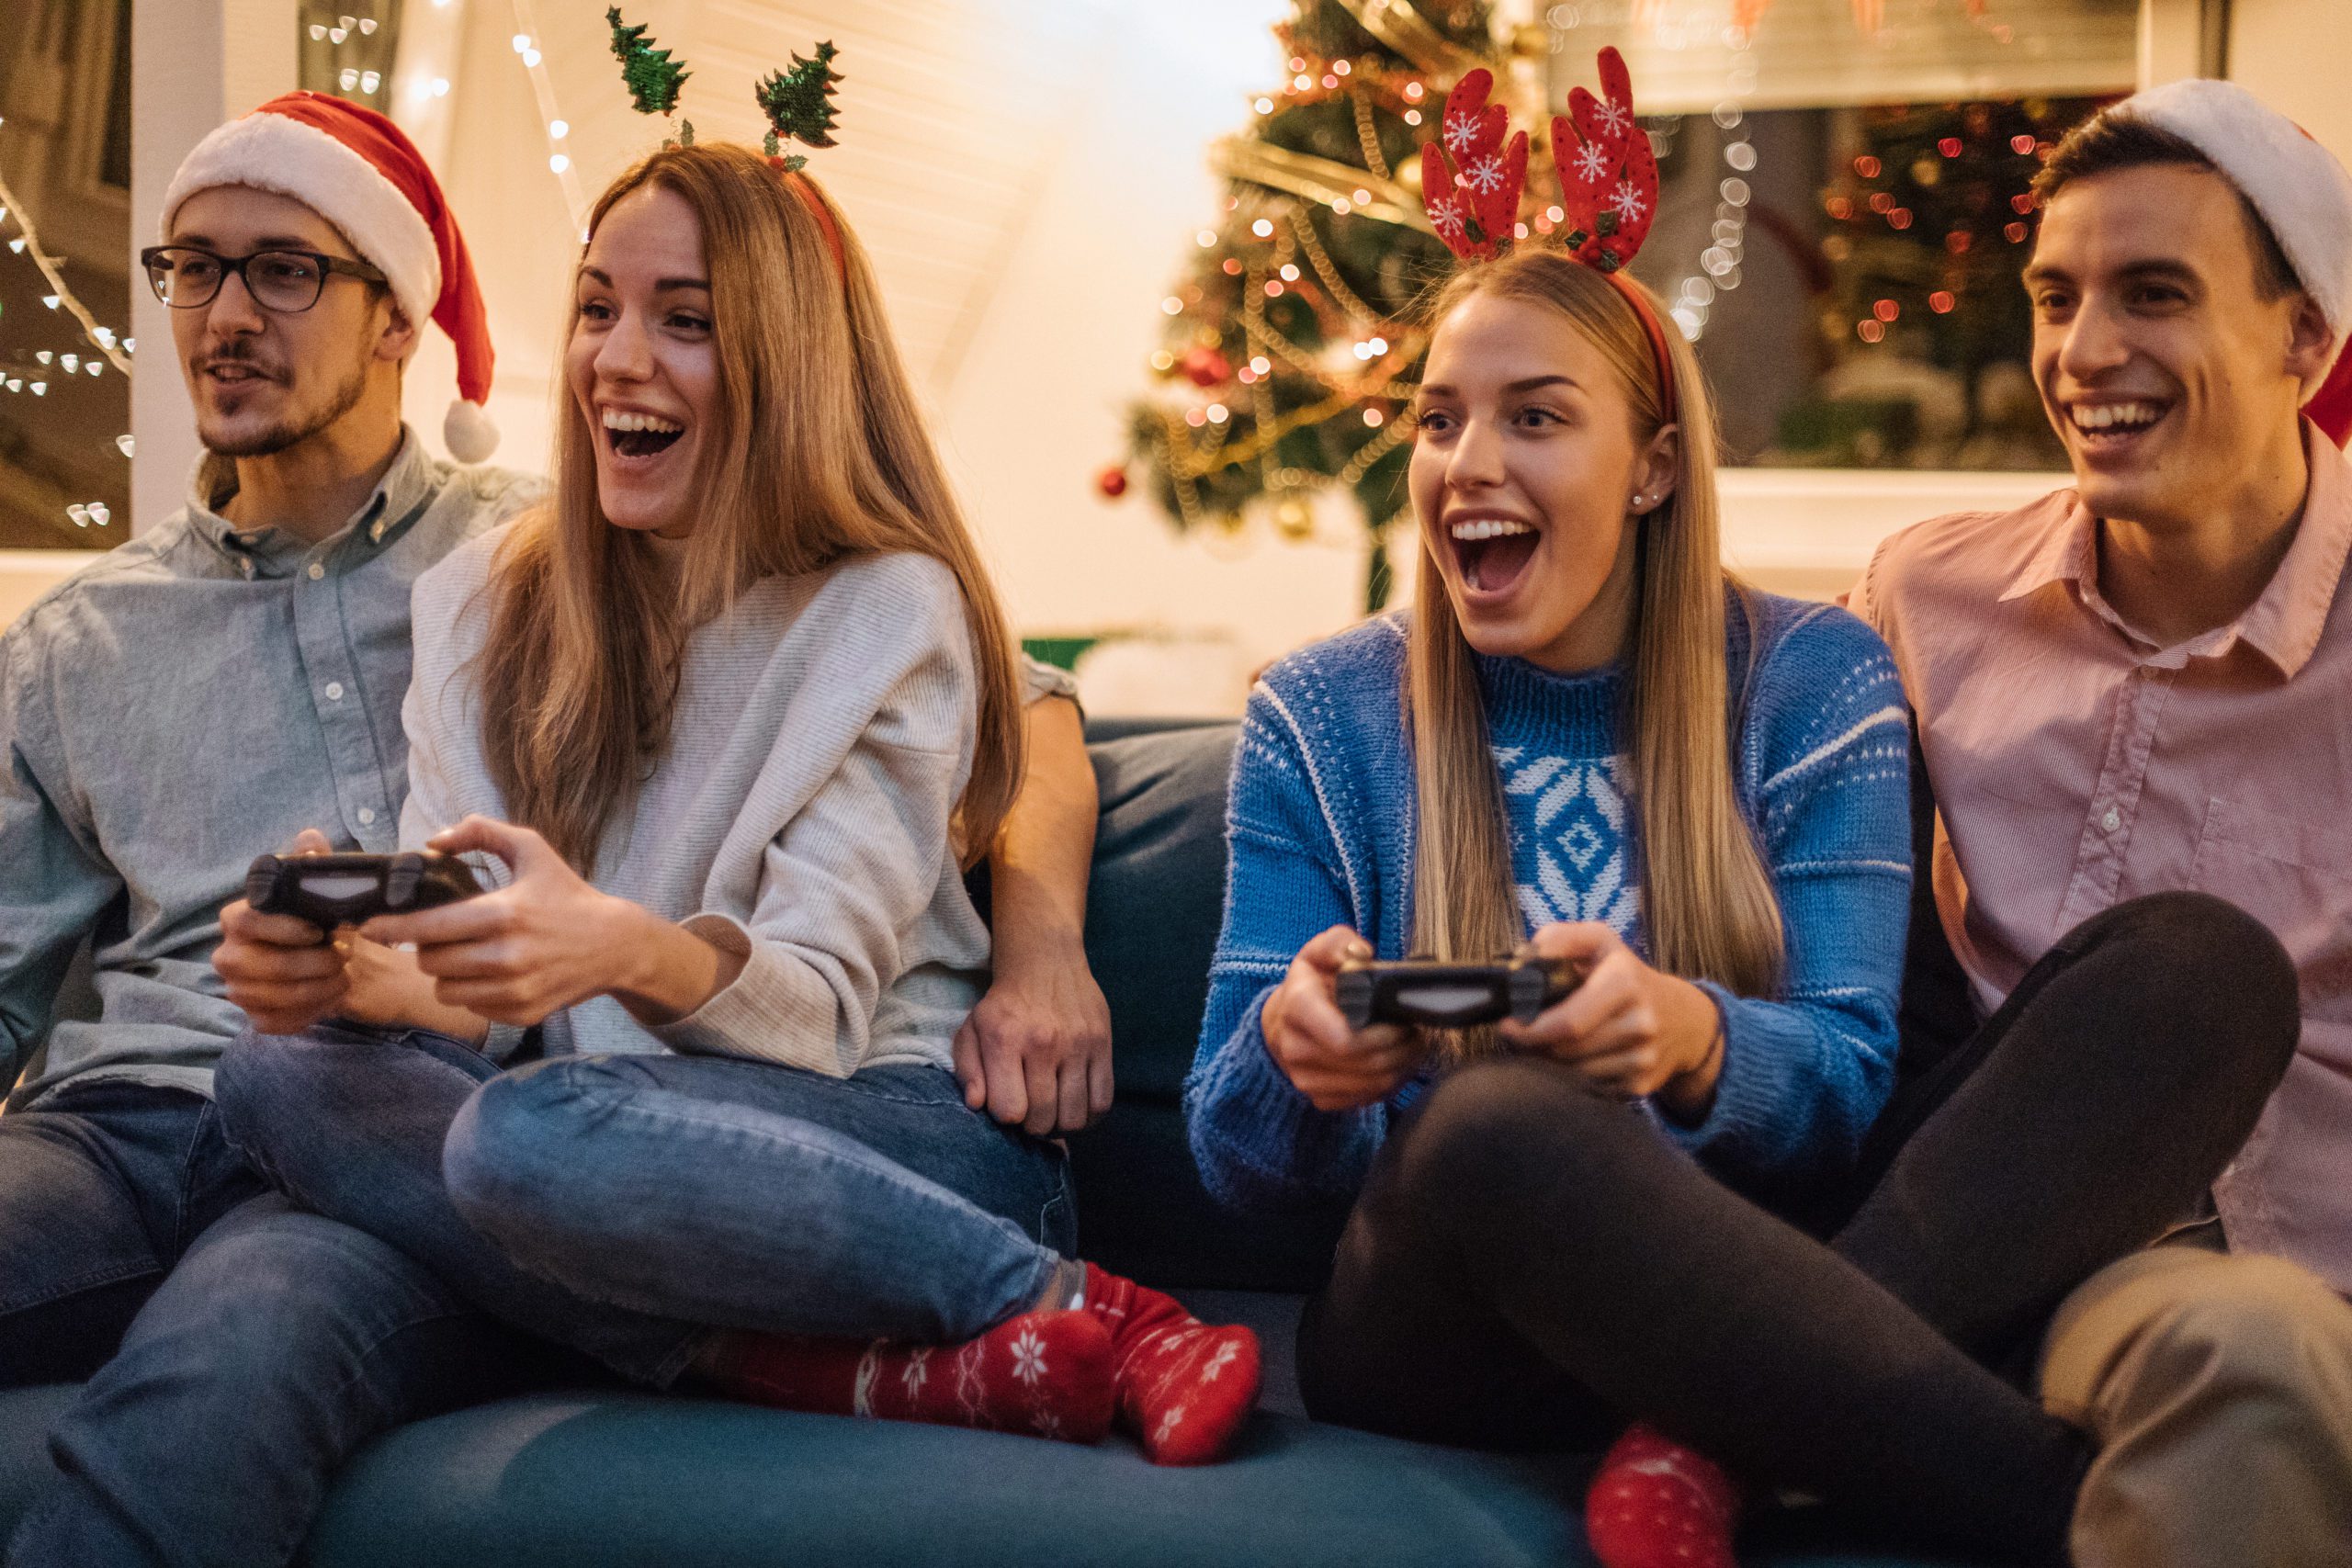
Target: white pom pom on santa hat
pixel 360 172
pixel 468 431
pixel 2303 192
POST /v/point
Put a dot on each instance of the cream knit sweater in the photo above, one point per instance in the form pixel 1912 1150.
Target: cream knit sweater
pixel 822 735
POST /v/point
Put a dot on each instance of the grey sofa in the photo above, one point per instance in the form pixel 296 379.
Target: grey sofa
pixel 594 1478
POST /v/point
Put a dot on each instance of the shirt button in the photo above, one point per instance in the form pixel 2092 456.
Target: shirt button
pixel 335 691
pixel 366 814
pixel 317 571
pixel 2112 820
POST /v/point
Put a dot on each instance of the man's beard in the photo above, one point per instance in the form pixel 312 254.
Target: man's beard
pixel 293 431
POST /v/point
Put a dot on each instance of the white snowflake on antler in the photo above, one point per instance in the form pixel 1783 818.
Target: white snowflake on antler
pixel 1627 200
pixel 1592 164
pixel 1446 215
pixel 1615 117
pixel 1461 129
pixel 1485 175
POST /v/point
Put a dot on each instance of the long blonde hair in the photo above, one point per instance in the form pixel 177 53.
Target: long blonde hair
pixel 815 453
pixel 1707 902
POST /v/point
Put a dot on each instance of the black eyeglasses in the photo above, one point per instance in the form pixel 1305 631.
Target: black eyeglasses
pixel 284 281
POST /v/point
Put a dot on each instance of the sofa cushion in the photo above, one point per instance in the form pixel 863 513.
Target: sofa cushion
pixel 1157 897
pixel 606 1480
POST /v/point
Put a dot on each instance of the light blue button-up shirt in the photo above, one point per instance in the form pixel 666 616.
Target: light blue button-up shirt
pixel 191 701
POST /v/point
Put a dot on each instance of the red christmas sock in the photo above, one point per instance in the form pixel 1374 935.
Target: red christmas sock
pixel 1184 1387
pixel 1045 1374
pixel 1654 1504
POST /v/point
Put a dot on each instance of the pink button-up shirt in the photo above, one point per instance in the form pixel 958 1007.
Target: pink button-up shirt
pixel 2076 764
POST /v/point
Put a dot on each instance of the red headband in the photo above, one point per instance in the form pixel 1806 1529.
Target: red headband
pixel 801 186
pixel 1608 187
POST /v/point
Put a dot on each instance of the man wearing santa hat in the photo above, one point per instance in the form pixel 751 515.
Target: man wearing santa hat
pixel 2141 684
pixel 226 677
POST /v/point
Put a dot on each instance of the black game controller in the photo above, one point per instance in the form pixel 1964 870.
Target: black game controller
pixel 1435 995
pixel 348 890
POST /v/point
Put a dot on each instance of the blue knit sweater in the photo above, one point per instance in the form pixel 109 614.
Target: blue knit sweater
pixel 1320 825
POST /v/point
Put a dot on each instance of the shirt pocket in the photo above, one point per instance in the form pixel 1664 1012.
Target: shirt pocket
pixel 2295 876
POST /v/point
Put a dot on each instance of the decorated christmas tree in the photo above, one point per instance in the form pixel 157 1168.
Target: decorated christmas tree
pixel 1290 348
pixel 1930 221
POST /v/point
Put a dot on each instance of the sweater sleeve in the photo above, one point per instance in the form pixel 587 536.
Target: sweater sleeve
pixel 1805 1072
pixel 858 861
pixel 1259 1143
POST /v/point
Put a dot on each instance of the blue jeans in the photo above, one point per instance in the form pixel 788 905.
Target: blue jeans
pixel 642 1199
pixel 103 1187
pixel 624 1205
pixel 278 1347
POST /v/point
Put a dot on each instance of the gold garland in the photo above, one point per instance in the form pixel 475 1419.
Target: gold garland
pixel 1396 24
pixel 1368 135
pixel 1319 180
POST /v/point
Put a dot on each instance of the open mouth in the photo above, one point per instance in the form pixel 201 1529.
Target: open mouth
pixel 2106 426
pixel 1492 553
pixel 641 436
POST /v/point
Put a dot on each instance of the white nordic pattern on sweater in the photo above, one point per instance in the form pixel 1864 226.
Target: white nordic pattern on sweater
pixel 1571 815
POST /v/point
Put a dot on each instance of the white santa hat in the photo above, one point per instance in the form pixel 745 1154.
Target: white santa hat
pixel 356 170
pixel 2298 187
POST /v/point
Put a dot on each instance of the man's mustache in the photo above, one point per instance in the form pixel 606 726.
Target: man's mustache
pixel 236 351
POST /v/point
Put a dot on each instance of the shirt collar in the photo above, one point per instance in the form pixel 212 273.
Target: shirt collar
pixel 2283 624
pixel 397 500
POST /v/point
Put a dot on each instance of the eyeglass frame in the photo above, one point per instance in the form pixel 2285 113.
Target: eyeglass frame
pixel 329 267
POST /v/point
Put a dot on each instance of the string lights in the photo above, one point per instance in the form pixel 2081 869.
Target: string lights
pixel 559 130
pixel 27 243
pixel 34 379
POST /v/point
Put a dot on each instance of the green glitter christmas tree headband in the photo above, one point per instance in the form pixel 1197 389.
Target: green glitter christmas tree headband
pixel 798 104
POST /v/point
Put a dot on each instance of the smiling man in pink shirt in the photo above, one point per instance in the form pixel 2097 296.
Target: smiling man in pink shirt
pixel 2144 683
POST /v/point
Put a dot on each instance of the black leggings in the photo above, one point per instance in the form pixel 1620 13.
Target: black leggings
pixel 1530 1266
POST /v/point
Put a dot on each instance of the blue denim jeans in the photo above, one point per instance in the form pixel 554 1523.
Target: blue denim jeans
pixel 103 1187
pixel 624 1205
pixel 279 1345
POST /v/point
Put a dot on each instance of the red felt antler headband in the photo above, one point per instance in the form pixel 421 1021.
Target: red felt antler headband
pixel 1608 184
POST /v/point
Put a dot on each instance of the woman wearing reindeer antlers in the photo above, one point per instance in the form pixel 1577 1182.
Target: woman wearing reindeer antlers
pixel 1587 750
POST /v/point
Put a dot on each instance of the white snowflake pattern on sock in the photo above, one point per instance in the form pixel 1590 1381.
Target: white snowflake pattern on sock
pixel 1169 1423
pixel 1226 1354
pixel 1029 1356
pixel 918 1369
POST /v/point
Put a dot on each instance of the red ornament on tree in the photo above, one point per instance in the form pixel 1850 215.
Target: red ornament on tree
pixel 1206 367
pixel 1112 481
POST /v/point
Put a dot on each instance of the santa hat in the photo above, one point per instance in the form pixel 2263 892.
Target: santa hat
pixel 356 170
pixel 2298 186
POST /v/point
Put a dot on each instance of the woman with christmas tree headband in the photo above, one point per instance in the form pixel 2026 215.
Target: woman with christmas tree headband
pixel 1588 743
pixel 722 720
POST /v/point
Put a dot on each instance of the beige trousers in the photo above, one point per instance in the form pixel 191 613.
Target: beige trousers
pixel 2219 1387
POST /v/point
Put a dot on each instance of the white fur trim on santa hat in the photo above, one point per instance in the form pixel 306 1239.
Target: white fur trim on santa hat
pixel 275 153
pixel 2297 186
